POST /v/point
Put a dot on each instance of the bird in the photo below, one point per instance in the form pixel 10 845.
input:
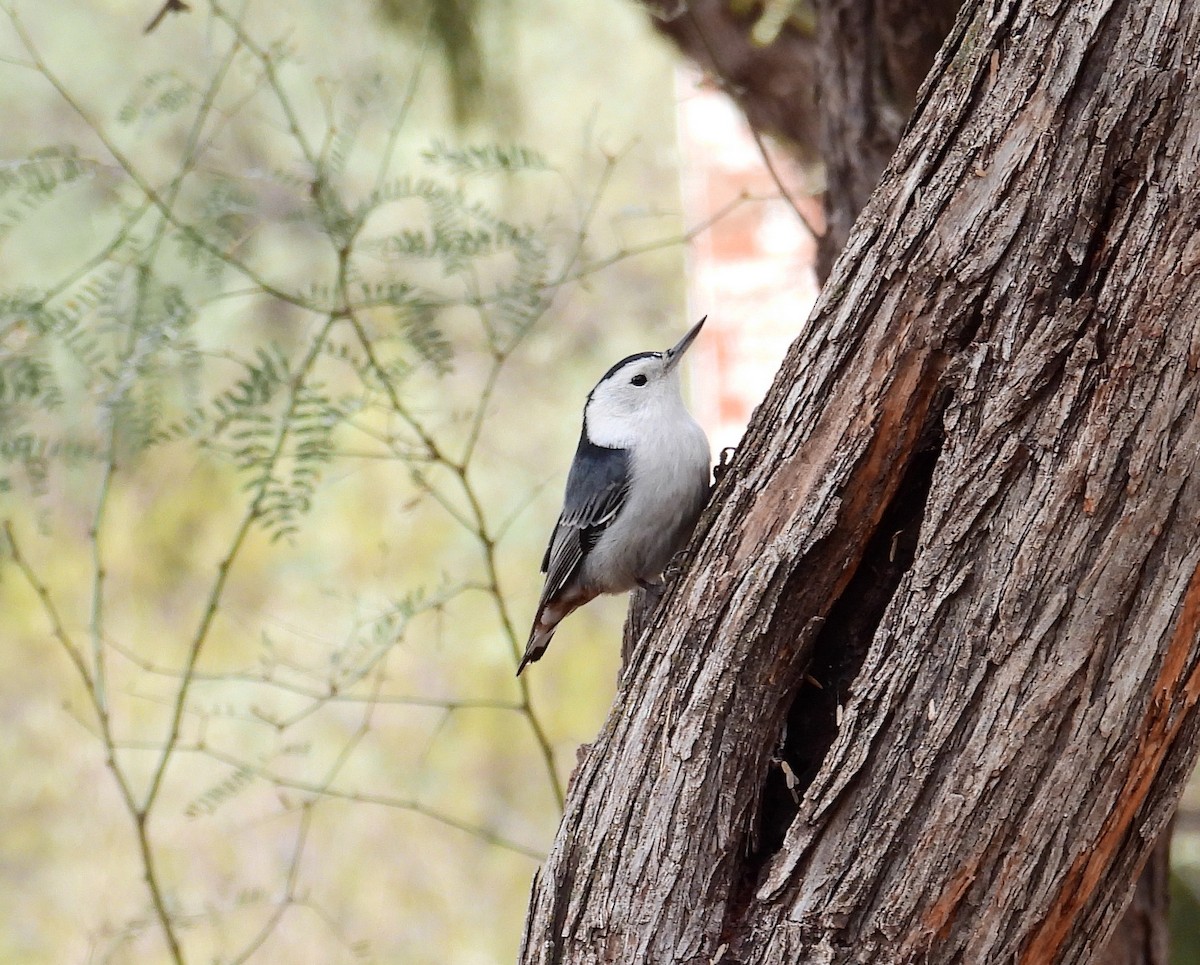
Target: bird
pixel 636 487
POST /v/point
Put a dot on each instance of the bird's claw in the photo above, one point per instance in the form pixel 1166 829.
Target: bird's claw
pixel 724 461
pixel 676 565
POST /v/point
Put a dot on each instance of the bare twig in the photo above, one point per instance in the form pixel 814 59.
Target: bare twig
pixel 171 6
pixel 149 864
pixel 288 898
pixel 320 790
pixel 732 90
pixel 47 602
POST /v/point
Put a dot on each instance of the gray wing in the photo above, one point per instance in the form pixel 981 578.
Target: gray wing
pixel 596 490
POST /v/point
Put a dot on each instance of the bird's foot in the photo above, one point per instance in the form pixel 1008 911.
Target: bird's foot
pixel 649 584
pixel 724 461
pixel 676 566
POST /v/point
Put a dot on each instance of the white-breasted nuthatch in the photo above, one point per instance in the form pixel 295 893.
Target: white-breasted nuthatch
pixel 635 490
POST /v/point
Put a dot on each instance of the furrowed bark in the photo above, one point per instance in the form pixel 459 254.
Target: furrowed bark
pixel 1143 936
pixel 872 56
pixel 1006 361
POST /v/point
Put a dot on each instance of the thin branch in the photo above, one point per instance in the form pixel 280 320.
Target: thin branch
pixel 149 864
pixel 330 695
pixel 688 236
pixel 268 64
pixel 171 197
pixel 476 524
pixel 595 267
pixel 288 899
pixel 171 6
pixel 410 95
pixel 43 594
pixel 189 231
pixel 132 220
pixel 732 90
pixel 382 800
pixel 217 590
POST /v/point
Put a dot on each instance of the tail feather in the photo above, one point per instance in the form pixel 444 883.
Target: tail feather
pixel 539 640
pixel 550 614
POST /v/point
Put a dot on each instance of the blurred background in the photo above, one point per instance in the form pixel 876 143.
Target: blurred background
pixel 298 310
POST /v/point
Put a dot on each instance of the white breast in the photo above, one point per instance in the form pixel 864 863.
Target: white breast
pixel 670 465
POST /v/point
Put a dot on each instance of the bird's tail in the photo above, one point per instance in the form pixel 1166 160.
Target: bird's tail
pixel 550 614
pixel 539 640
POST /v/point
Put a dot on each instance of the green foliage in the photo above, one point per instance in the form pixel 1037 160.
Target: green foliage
pixel 121 338
pixel 485 159
pixel 162 92
pixel 211 798
pixel 418 323
pixel 28 183
pixel 27 381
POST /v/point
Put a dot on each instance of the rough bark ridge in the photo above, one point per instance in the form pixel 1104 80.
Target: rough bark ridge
pixel 1021 294
pixel 1143 936
pixel 872 58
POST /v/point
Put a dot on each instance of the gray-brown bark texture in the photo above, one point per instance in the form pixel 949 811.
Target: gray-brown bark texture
pixel 1143 936
pixel 872 58
pixel 976 475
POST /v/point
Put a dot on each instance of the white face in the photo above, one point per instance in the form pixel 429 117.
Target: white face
pixel 631 392
pixel 637 396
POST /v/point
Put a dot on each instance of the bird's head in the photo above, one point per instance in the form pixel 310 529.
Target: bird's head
pixel 636 394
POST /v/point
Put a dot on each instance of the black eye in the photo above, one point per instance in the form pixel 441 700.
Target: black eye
pixel 638 380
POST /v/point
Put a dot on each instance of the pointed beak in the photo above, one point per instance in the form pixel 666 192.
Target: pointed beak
pixel 675 353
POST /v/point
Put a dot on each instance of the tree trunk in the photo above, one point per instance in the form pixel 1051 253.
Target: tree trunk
pixel 976 476
pixel 1143 936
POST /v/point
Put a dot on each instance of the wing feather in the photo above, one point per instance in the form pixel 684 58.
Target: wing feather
pixel 597 488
